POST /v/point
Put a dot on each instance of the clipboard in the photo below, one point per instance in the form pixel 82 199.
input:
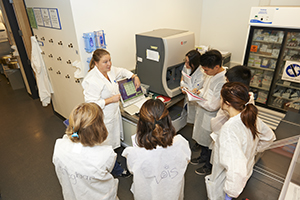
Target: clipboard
pixel 192 96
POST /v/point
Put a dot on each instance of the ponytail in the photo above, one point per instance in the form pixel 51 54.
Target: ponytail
pixel 92 64
pixel 237 95
pixel 249 118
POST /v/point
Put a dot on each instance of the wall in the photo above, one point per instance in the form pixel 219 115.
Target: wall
pixel 224 25
pixel 121 20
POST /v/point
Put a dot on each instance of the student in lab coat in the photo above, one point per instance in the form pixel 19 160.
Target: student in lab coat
pixel 214 78
pixel 238 73
pixel 82 162
pixel 240 138
pixel 159 157
pixel 100 86
pixel 195 80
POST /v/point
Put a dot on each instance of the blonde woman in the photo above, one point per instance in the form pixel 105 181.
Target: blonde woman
pixel 82 162
pixel 100 86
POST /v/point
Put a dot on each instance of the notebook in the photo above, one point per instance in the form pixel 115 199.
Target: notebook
pixel 132 99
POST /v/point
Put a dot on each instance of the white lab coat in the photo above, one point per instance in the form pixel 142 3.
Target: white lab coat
pixel 96 89
pixel 84 172
pixel 158 174
pixel 197 82
pixel 234 153
pixel 217 123
pixel 41 74
pixel 222 117
pixel 206 110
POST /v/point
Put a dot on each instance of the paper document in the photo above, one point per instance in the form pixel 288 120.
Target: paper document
pixel 135 108
pixel 187 80
pixel 192 96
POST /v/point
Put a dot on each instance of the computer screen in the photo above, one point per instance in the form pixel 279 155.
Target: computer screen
pixel 128 91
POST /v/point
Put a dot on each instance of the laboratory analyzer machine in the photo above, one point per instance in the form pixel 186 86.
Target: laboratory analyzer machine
pixel 160 55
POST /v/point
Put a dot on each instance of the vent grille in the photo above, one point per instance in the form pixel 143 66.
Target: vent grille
pixel 270 117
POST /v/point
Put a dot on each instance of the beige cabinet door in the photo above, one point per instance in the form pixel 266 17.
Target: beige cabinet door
pixel 23 23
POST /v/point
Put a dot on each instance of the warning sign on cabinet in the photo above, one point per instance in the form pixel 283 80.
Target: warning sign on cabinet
pixel 291 71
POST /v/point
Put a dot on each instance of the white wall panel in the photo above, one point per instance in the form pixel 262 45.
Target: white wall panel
pixel 120 20
pixel 67 89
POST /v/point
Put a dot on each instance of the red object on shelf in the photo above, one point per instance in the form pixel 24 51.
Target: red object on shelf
pixel 163 98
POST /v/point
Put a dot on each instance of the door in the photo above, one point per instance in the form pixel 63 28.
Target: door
pixel 24 26
pixel 286 91
pixel 262 57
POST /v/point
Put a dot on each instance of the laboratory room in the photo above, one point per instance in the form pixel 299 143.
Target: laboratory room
pixel 150 100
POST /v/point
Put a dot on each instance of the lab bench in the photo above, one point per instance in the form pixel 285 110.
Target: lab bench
pixel 175 107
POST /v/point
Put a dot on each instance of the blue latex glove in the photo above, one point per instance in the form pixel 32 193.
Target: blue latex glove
pixel 227 197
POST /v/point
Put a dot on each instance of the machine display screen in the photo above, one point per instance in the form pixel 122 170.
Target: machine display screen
pixel 128 91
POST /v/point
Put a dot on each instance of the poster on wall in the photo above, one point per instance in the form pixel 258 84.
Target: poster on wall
pixel 47 17
pixel 54 17
pixel 291 71
pixel 38 16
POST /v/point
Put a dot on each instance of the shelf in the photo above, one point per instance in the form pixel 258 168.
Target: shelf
pixel 260 102
pixel 263 55
pixel 262 68
pixel 277 107
pixel 290 60
pixel 294 48
pixel 261 88
pixel 268 42
pixel 288 99
pixel 288 86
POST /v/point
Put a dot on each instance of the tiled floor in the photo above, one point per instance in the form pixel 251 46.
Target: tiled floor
pixel 28 132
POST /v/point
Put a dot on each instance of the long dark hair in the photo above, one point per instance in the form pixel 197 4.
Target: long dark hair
pixel 154 126
pixel 237 95
pixel 194 60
